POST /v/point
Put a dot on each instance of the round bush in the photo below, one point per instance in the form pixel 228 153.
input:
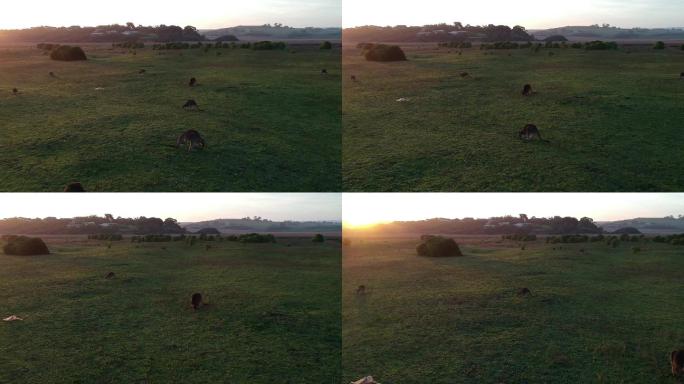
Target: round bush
pixel 318 238
pixel 326 45
pixel 384 53
pixel 437 246
pixel 68 53
pixel 25 246
pixel 659 45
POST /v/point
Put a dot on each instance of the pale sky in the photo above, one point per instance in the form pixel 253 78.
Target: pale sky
pixel 180 206
pixel 371 208
pixel 529 13
pixel 203 14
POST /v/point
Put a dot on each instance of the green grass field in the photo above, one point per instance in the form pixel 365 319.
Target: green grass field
pixel 602 316
pixel 273 313
pixel 271 120
pixel 613 118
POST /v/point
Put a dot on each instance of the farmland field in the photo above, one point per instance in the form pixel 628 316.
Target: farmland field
pixel 271 121
pixel 272 314
pixel 613 119
pixel 596 314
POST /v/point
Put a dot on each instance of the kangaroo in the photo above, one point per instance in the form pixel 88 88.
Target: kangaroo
pixel 464 74
pixel 353 77
pixel 361 290
pixel 192 82
pixel 74 187
pixel 677 361
pixel 681 75
pixel 527 90
pixel 15 91
pixel 191 139
pixel 529 132
pixel 52 74
pixel 142 71
pixel 110 275
pixel 196 300
pixel 191 104
pixel 324 71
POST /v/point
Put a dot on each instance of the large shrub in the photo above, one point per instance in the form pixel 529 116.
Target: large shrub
pixel 68 53
pixel 384 53
pixel 268 45
pixel 600 45
pixel 256 238
pixel 438 246
pixel 659 45
pixel 24 246
pixel 326 45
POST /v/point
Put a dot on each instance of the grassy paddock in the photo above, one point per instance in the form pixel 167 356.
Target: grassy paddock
pixel 614 120
pixel 605 315
pixel 271 120
pixel 273 313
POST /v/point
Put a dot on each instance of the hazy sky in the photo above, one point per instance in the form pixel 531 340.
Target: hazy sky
pixel 181 206
pixel 198 13
pixel 364 209
pixel 528 13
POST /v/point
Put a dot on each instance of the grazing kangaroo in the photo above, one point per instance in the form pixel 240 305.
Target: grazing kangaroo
pixel 464 74
pixel 142 71
pixel 15 91
pixel 191 139
pixel 681 75
pixel 196 300
pixel 192 82
pixel 110 275
pixel 52 74
pixel 74 187
pixel 324 71
pixel 527 90
pixel 677 361
pixel 353 77
pixel 361 290
pixel 191 104
pixel 529 132
pixel 524 292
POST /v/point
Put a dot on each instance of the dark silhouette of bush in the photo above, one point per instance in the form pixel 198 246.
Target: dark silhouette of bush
pixel 208 231
pixel 659 45
pixel 520 237
pixel 106 236
pixel 268 45
pixel 326 45
pixel 599 45
pixel 24 246
pixel 318 238
pixel 384 53
pixel 437 246
pixel 456 44
pixel 256 238
pixel 68 53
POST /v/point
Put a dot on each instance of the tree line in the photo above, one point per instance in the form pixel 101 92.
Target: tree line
pixel 438 33
pixel 90 225
pixel 496 226
pixel 102 33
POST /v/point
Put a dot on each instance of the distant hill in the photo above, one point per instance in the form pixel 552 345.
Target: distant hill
pixel 274 32
pixel 596 32
pixel 647 225
pixel 262 225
